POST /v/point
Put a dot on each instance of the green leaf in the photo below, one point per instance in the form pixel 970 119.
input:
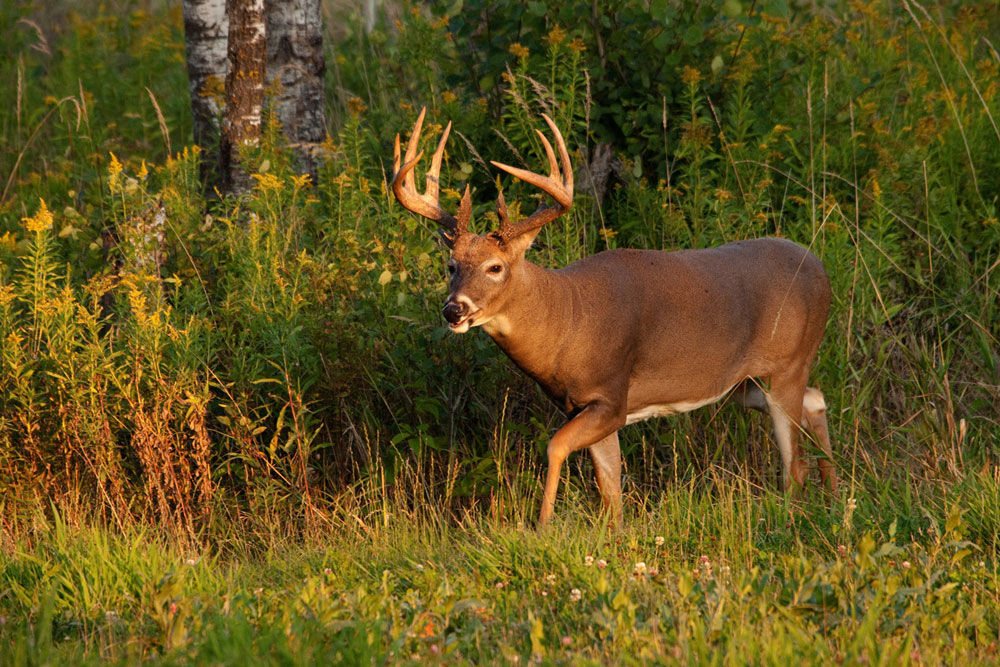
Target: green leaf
pixel 732 8
pixel 537 635
pixel 658 10
pixel 694 35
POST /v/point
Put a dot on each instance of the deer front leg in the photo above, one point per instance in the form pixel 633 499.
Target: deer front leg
pixel 592 424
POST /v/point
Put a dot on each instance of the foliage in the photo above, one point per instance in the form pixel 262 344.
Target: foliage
pixel 234 379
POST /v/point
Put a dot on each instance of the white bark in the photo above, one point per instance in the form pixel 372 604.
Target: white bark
pixel 295 62
pixel 206 34
pixel 369 12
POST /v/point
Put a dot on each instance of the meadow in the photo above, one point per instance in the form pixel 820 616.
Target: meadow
pixel 237 429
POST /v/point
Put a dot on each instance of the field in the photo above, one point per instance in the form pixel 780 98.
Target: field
pixel 237 430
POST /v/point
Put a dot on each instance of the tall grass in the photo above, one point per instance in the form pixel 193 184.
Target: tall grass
pixel 263 387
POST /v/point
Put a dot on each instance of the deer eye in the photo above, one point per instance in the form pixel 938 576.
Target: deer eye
pixel 495 268
pixel 451 269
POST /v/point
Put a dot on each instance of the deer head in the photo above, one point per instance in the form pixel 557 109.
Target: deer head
pixel 482 266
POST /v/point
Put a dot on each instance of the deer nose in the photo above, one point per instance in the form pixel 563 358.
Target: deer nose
pixel 454 311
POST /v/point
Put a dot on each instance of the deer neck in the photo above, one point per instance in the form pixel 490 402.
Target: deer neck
pixel 531 323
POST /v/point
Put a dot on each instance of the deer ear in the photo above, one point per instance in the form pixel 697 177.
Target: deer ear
pixel 448 238
pixel 517 246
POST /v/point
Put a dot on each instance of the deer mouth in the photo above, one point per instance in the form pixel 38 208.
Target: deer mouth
pixel 464 324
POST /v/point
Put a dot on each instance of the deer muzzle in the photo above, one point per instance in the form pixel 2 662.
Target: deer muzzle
pixel 455 312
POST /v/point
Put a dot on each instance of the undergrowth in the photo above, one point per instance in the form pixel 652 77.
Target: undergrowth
pixel 263 386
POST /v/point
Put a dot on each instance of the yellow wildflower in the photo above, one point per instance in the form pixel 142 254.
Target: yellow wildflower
pixel 115 167
pixel 556 36
pixel 690 75
pixel 577 45
pixel 521 52
pixel 41 220
pixel 143 171
pixel 267 182
pixel 356 106
pixel 8 242
pixel 301 181
pixel 448 97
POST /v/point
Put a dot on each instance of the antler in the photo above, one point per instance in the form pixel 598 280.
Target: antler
pixel 427 204
pixel 557 185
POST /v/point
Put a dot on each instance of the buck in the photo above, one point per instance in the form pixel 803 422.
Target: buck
pixel 625 335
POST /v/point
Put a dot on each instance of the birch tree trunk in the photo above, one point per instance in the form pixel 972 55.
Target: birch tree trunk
pixel 295 61
pixel 206 34
pixel 244 88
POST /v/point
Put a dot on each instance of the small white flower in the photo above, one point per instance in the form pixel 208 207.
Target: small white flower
pixel 852 504
pixel 640 568
pixel 658 540
pixel 550 578
pixel 601 563
pixel 906 565
pixel 588 560
pixel 191 562
pixel 575 595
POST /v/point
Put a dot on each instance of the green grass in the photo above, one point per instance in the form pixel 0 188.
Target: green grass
pixel 185 449
pixel 738 576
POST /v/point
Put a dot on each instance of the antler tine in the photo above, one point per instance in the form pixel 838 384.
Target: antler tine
pixel 558 184
pixel 563 155
pixel 434 173
pixel 426 204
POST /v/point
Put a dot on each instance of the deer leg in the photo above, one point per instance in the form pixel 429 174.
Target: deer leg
pixel 814 419
pixel 592 424
pixel 751 396
pixel 784 402
pixel 608 468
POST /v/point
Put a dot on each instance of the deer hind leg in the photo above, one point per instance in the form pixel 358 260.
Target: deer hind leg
pixel 750 395
pixel 814 419
pixel 608 468
pixel 784 402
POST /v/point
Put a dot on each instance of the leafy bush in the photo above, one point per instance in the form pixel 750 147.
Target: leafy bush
pixel 198 361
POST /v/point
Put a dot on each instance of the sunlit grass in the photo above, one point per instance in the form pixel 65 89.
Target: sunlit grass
pixel 234 431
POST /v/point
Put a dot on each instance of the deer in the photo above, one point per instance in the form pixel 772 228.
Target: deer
pixel 625 335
